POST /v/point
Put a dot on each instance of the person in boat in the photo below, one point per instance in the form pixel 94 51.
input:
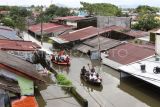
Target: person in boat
pixel 83 70
pixel 67 59
pixel 93 71
pixel 91 77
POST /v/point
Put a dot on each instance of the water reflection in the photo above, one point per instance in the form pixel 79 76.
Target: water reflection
pixel 115 92
pixel 91 87
pixel 139 89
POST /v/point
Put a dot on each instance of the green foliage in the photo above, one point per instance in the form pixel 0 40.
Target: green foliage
pixel 144 9
pixel 18 15
pixel 104 9
pixel 8 22
pixel 62 80
pixel 147 22
pixel 19 11
pixel 52 12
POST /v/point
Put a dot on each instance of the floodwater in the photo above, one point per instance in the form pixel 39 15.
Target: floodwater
pixel 115 92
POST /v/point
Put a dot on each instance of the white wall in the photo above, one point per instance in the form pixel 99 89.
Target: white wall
pixel 158 44
pixel 72 23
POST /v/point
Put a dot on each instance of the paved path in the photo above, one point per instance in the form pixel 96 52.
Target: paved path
pixel 46 46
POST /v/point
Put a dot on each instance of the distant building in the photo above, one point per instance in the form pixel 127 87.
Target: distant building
pixel 105 21
pixel 49 29
pixel 77 21
pixel 77 36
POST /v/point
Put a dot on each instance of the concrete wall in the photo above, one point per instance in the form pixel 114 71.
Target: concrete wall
pixel 158 44
pixel 104 21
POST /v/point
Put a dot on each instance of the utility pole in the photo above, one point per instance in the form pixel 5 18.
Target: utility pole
pixel 41 25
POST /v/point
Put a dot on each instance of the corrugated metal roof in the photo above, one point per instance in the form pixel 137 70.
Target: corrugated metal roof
pixel 18 45
pixel 9 85
pixel 49 28
pixel 93 44
pixel 82 34
pixel 137 34
pixel 127 53
pixel 18 66
pixel 116 28
pixel 8 33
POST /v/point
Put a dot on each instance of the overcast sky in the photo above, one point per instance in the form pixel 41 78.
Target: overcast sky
pixel 76 3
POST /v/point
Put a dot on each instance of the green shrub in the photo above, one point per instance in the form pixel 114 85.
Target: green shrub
pixel 62 80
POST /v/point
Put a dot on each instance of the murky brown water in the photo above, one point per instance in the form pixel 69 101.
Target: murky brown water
pixel 128 92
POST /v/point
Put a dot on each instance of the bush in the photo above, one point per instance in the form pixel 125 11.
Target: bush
pixel 62 80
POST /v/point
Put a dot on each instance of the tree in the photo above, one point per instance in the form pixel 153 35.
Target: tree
pixel 18 15
pixel 146 18
pixel 104 9
pixel 8 22
pixel 52 12
pixel 147 22
pixel 144 9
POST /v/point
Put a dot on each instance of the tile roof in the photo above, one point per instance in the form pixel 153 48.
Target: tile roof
pixel 70 18
pixel 127 53
pixel 18 45
pixel 82 34
pixel 49 28
pixel 19 66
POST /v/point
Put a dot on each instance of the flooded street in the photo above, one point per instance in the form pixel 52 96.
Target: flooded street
pixel 115 92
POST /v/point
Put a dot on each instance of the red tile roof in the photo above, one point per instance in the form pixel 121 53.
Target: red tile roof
pixel 49 27
pixel 82 34
pixel 70 18
pixel 18 45
pixel 128 53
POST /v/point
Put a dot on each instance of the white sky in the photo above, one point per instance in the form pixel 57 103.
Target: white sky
pixel 76 3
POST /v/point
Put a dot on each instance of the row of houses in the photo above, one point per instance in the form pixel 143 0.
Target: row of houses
pixel 18 73
pixel 119 45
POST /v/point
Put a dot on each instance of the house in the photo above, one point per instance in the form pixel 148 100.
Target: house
pixel 106 21
pixel 146 69
pixel 21 71
pixel 18 66
pixel 123 33
pixel 48 29
pixel 20 48
pixel 78 36
pixel 127 53
pixel 77 21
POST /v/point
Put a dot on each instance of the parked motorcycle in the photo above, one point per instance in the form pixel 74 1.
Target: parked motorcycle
pixel 156 70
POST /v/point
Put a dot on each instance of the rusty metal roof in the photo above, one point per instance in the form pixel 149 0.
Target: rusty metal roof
pixel 82 34
pixel 116 28
pixel 18 45
pixel 137 34
pixel 127 53
pixel 94 43
pixel 19 66
pixel 48 28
